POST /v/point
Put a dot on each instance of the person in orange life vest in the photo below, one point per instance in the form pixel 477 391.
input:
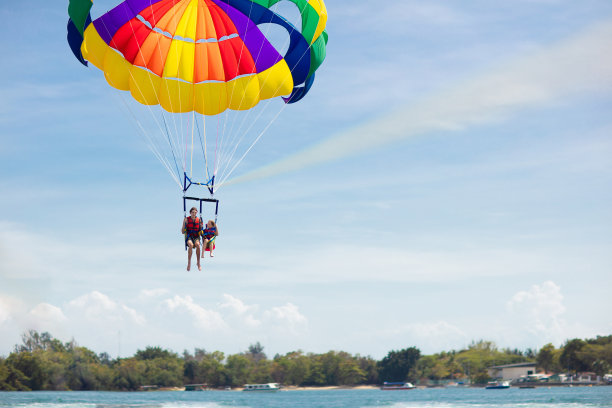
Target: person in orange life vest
pixel 192 228
pixel 208 235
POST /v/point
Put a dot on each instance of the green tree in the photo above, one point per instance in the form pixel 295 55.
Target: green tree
pixel 546 357
pixel 211 370
pixel 369 369
pixel 570 357
pixel 256 353
pixel 239 369
pixel 397 365
pixel 349 372
pixel 27 369
pixel 129 374
pixel 151 353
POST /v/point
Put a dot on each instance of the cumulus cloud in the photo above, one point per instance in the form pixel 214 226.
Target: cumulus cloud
pixel 240 311
pixel 98 306
pixel 102 322
pixel 541 306
pixel 287 318
pixel 47 312
pixel 203 318
pixel 9 307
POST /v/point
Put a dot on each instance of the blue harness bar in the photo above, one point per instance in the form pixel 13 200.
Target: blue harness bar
pixel 210 184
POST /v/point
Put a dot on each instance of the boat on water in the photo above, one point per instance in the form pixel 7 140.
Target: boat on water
pixel 269 387
pixel 497 385
pixel 390 386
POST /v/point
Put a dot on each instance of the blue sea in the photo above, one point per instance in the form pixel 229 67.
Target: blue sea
pixel 557 397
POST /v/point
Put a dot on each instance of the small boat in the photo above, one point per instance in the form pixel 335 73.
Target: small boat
pixel 269 387
pixel 497 385
pixel 389 386
pixel 195 387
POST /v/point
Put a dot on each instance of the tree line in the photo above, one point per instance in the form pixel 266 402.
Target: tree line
pixel 42 362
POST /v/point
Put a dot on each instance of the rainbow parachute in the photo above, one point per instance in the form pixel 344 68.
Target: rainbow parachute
pixel 201 56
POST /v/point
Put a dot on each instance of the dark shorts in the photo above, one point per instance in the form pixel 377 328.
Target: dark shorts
pixel 194 239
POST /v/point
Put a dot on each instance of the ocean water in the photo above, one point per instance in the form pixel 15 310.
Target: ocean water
pixel 556 397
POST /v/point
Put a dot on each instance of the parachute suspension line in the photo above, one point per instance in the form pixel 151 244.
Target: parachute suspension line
pixel 203 145
pixel 233 135
pixel 216 163
pixel 170 143
pixel 225 177
pixel 151 144
pixel 219 155
pixel 229 154
pixel 163 130
pixel 252 122
pixel 250 147
pixel 246 132
pixel 192 129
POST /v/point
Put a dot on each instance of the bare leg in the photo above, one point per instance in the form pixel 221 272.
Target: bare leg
pixel 204 247
pixel 198 256
pixel 189 252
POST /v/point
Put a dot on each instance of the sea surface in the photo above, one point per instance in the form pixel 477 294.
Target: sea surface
pixel 557 397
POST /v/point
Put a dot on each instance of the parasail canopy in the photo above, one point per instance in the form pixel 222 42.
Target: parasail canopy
pixel 200 56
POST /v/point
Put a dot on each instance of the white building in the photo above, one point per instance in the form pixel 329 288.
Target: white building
pixel 511 371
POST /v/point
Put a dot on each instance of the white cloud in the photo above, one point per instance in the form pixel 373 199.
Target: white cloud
pixel 241 311
pixel 203 318
pixel 287 317
pixel 98 307
pixel 9 307
pixel 541 309
pixel 48 313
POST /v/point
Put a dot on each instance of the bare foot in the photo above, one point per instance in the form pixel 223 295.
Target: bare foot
pixel 199 268
pixel 188 268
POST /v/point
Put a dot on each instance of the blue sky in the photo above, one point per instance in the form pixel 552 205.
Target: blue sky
pixel 447 179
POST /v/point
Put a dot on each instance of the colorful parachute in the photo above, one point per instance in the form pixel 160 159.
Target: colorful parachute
pixel 203 56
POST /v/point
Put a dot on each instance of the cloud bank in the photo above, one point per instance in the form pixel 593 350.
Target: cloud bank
pixel 170 320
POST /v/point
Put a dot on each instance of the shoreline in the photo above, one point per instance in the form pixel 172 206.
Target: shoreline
pixel 375 387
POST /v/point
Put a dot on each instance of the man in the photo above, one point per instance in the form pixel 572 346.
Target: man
pixel 192 228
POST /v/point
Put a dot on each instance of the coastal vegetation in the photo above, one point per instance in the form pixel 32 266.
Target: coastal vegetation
pixel 42 362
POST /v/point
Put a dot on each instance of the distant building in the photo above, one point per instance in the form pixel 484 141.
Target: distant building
pixel 588 378
pixel 512 371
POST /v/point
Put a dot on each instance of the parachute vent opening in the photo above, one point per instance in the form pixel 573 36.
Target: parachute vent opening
pixel 277 36
pixel 290 12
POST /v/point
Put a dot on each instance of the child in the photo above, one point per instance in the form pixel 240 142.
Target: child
pixel 209 234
